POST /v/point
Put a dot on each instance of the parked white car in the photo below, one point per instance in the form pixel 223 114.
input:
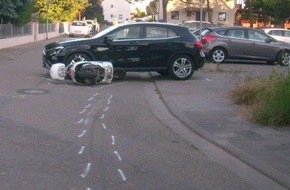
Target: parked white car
pixel 79 28
pixel 95 26
pixel 279 34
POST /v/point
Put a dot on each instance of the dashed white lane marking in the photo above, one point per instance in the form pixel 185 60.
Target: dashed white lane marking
pixel 90 99
pixel 80 121
pixel 87 121
pixel 122 174
pixel 104 126
pixel 110 97
pixel 118 155
pixel 113 140
pixel 81 112
pixel 87 170
pixel 108 102
pixel 89 105
pixel 207 79
pixel 82 150
pixel 106 109
pixel 95 94
pixel 82 134
pixel 102 117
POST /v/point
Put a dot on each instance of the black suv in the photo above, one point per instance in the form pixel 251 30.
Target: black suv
pixel 143 46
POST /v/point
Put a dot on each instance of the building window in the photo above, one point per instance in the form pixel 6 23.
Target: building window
pixel 112 16
pixel 175 15
pixel 112 6
pixel 198 16
pixel 222 16
pixel 120 16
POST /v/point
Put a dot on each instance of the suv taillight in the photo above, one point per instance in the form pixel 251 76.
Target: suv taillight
pixel 198 45
pixel 208 38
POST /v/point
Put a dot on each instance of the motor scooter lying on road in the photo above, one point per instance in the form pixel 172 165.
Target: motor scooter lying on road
pixel 84 72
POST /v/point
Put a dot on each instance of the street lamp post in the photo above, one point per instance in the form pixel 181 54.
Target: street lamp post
pixel 200 20
pixel 47 7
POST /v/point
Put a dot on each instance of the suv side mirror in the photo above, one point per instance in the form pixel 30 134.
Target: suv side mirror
pixel 108 39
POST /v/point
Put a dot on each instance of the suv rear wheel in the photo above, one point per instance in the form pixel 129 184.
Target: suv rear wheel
pixel 181 67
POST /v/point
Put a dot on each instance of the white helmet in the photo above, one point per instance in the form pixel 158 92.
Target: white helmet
pixel 58 71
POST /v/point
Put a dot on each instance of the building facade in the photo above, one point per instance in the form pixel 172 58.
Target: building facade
pixel 221 11
pixel 116 11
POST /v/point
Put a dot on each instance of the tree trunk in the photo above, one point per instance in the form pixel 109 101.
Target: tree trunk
pixel 251 13
pixel 208 11
pixel 164 7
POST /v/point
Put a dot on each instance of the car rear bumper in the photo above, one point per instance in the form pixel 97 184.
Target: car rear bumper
pixel 201 59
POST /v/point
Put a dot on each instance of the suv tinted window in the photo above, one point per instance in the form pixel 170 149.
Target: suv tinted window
pixel 159 32
pixel 132 32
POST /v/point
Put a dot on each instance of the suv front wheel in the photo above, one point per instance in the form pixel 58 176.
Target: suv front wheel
pixel 181 67
pixel 77 57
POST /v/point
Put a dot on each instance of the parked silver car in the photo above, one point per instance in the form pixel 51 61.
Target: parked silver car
pixel 279 34
pixel 244 45
pixel 193 25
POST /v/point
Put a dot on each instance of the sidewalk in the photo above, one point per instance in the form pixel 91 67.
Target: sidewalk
pixel 11 52
pixel 203 105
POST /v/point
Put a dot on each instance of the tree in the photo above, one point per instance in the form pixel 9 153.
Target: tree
pixel 94 11
pixel 24 12
pixel 151 9
pixel 208 11
pixel 164 8
pixel 15 11
pixel 277 9
pixel 64 10
pixel 139 13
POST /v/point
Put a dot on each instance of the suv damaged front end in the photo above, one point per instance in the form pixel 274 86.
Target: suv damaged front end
pixel 49 55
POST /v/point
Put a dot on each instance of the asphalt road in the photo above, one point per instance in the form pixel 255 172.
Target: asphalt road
pixel 142 132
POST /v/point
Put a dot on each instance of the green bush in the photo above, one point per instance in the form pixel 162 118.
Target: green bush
pixel 247 92
pixel 269 98
pixel 274 105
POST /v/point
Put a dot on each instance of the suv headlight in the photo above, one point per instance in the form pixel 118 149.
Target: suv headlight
pixel 55 50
